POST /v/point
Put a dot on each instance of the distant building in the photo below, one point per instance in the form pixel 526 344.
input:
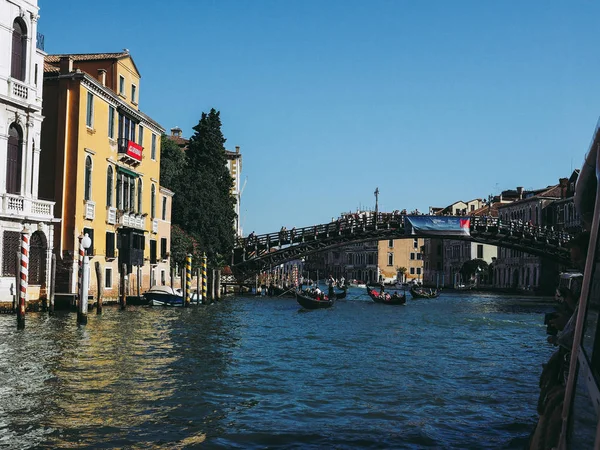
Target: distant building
pixel 21 207
pixel 518 270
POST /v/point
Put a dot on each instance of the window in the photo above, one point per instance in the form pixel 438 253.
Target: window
pixel 131 193
pixel 19 49
pixel 415 243
pixel 139 196
pixel 141 135
pixel 153 152
pixel 412 256
pixel 153 202
pixel 163 277
pixel 153 251
pixel 472 207
pixel 111 122
pixel 439 249
pixel 391 243
pixel 390 259
pixel 163 248
pixel 133 93
pixel 480 251
pixel 90 232
pixel 108 278
pixel 35 76
pixel 419 256
pixel 89 118
pixel 412 270
pixel 110 244
pixel 109 186
pixel 164 208
pixel 121 85
pixel 120 177
pixel 418 271
pixel 88 178
pixel 14 160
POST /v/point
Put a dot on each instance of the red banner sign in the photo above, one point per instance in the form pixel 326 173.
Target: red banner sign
pixel 134 150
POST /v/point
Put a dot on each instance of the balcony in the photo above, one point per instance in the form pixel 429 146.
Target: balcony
pixel 18 90
pixel 16 205
pixel 90 210
pixel 111 215
pixel 129 152
pixel 132 220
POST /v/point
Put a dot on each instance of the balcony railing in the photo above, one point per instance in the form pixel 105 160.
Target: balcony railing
pixel 17 90
pixel 129 151
pixel 132 220
pixel 17 205
pixel 39 42
pixel 90 210
pixel 111 216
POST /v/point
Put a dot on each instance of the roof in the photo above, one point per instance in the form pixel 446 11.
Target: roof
pixel 182 142
pixel 51 60
pixel 487 210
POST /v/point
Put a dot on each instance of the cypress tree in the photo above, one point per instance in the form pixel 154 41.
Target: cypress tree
pixel 204 206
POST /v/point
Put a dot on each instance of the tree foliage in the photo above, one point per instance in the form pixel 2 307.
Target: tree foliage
pixel 471 267
pixel 172 164
pixel 203 205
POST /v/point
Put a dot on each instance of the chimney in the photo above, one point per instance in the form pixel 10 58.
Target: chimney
pixel 563 183
pixel 102 76
pixel 237 148
pixel 66 64
pixel 520 192
pixel 176 131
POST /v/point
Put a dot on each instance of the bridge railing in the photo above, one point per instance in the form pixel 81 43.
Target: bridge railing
pixel 352 222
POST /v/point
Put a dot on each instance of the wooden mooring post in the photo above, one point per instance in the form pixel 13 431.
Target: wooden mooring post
pixel 100 287
pixel 52 284
pixel 218 283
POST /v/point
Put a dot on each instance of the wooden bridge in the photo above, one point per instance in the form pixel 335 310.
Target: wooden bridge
pixel 257 253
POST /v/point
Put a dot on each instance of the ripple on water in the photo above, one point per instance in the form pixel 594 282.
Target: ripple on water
pixel 455 372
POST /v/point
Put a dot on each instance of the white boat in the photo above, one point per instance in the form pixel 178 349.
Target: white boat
pixel 163 296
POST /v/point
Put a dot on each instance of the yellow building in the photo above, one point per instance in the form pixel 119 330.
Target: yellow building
pixel 101 164
pixel 396 253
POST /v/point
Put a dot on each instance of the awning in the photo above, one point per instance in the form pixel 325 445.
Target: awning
pixel 126 171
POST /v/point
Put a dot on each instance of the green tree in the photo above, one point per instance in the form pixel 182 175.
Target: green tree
pixel 183 244
pixel 172 164
pixel 205 206
pixel 473 266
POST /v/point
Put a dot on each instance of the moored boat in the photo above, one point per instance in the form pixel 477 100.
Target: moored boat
pixel 385 297
pixel 307 301
pixel 163 296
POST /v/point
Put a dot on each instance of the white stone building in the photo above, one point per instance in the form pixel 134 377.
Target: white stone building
pixel 21 205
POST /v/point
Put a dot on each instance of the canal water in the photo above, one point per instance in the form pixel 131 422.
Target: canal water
pixel 459 371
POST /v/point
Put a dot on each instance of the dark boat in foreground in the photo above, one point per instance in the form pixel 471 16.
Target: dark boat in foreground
pixel 341 295
pixel 308 302
pixel 420 293
pixel 385 297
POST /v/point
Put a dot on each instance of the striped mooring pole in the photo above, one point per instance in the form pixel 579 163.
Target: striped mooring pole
pixel 188 279
pixel 204 290
pixel 24 271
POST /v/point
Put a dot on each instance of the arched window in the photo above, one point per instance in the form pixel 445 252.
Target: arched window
pixel 153 202
pixel 132 194
pixel 88 178
pixel 139 195
pixel 14 158
pixel 164 208
pixel 109 186
pixel 19 50
pixel 119 190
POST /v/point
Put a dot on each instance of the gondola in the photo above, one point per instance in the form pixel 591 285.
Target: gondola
pixel 386 298
pixel 309 302
pixel 419 293
pixel 341 295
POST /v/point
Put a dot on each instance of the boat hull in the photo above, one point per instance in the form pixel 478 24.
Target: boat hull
pixel 157 299
pixel 311 303
pixel 392 300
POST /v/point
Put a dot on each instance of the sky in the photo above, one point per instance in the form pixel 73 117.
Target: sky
pixel 430 101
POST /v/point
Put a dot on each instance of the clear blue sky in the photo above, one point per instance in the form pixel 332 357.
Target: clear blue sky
pixel 431 101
